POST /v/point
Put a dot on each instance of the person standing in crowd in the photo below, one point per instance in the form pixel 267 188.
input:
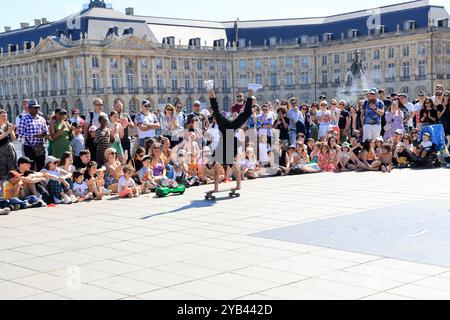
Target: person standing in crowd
pixel 76 117
pixel 344 121
pixel 117 134
pixel 418 106
pixel 102 140
pixel 412 112
pixel 170 126
pixel 238 107
pixel 60 134
pixel 25 103
pixel 147 123
pixel 428 114
pixel 8 154
pixel 373 110
pixel 182 118
pixel 282 124
pixel 438 93
pixel 197 113
pixel 294 115
pixel 324 119
pixel 266 124
pixel 394 120
pixel 444 112
pixel 93 122
pixel 127 124
pixel 306 115
pixel 33 131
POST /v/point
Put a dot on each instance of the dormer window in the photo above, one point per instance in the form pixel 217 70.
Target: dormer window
pixel 409 25
pixel 170 41
pixel 381 29
pixel 241 43
pixel 304 39
pixel 219 43
pixel 273 41
pixel 195 42
pixel 352 33
pixel 114 31
pixel 128 31
pixel 327 37
pixel 443 23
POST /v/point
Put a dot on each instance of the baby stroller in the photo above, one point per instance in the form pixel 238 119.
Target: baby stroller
pixel 437 138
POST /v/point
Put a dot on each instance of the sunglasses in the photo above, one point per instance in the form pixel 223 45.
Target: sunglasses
pixel 147 107
pixel 99 105
pixel 112 153
pixel 239 96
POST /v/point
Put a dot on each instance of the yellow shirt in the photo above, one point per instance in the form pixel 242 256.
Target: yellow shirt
pixel 10 191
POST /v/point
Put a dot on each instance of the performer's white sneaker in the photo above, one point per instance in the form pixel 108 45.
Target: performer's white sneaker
pixel 209 84
pixel 255 87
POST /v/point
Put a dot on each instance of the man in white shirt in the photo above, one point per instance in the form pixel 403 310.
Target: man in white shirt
pixel 411 109
pixel 294 116
pixel 147 123
pixel 93 118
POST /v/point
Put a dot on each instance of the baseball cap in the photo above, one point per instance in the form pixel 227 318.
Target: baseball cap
pixel 33 104
pixel 399 131
pixel 14 174
pixel 381 139
pixel 346 145
pixel 403 95
pixel 50 159
pixel 373 90
pixel 427 134
pixel 146 102
pixel 92 129
pixel 293 146
pixel 23 160
pixel 145 158
pixel 197 103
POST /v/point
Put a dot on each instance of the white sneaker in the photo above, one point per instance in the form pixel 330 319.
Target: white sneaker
pixel 5 212
pixel 73 199
pixel 57 201
pixel 209 84
pixel 106 191
pixel 255 87
pixel 67 199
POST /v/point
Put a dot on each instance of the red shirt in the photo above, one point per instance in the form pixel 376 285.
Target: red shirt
pixel 237 108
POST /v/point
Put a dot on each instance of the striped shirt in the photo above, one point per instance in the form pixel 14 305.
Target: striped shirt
pixel 29 127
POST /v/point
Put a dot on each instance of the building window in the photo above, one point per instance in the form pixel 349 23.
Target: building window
pixel 377 73
pixel 289 79
pixel 114 63
pixel 337 76
pixel 95 62
pixel 336 59
pixel 173 64
pixel 187 65
pixel 78 83
pixel 406 51
pixel 224 83
pixel 273 63
pixel 131 80
pixel 243 81
pixel 324 77
pixel 200 82
pixel 391 53
pixel 24 87
pixel 65 82
pixel 289 62
pixel 159 82
pixel 115 82
pixel 422 70
pixel 405 70
pixel 145 82
pixel 243 64
pixel 391 71
pixel 349 56
pixel 259 78
pixel 212 65
pixel 224 66
pixel 376 54
pixel 324 60
pixel 187 82
pixel 145 64
pixel 258 64
pixel 96 82
pixel 304 78
pixel 273 79
pixel 159 64
pixel 421 49
pixel 226 103
pixel 199 65
pixel 174 82
pixel 304 61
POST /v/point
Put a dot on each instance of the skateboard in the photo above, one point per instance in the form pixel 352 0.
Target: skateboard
pixel 232 194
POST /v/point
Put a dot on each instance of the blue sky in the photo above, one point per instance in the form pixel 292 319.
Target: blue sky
pixel 15 12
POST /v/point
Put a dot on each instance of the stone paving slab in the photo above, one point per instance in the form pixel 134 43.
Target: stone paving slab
pixel 184 247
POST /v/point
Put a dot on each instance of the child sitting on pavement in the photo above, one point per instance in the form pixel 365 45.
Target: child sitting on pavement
pixel 145 175
pixel 80 187
pixel 127 187
pixel 13 194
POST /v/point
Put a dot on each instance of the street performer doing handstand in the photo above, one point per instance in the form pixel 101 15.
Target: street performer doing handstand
pixel 227 149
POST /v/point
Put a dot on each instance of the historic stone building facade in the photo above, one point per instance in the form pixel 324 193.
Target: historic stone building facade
pixel 165 61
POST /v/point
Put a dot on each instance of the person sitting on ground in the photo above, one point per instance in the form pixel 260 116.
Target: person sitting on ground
pixel 14 196
pixel 302 162
pixel 94 179
pixel 326 159
pixel 385 161
pixel 145 175
pixel 249 166
pixel 159 169
pixel 378 146
pixel 114 169
pixel 59 190
pixel 127 187
pixel 206 169
pixel 348 161
pixel 402 156
pixel 180 167
pixel 368 157
pixel 80 188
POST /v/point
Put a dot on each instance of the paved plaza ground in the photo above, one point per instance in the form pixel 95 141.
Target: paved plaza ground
pixel 183 247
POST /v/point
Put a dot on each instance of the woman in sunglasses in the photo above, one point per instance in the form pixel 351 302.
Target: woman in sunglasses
pixel 444 112
pixel 60 134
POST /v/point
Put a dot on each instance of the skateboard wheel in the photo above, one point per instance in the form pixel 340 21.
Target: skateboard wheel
pixel 237 195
